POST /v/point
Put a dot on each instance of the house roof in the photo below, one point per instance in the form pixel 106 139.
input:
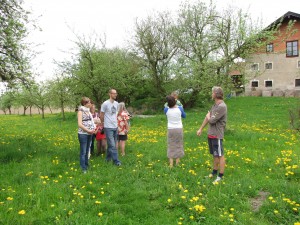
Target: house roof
pixel 234 73
pixel 287 16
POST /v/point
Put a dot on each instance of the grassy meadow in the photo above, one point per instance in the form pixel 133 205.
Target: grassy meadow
pixel 41 181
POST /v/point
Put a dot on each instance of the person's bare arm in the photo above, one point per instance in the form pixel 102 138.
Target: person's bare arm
pixel 204 123
pixel 101 118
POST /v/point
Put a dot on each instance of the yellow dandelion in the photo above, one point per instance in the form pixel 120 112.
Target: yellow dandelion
pixel 276 211
pixel 22 212
pixel 9 198
pixel 169 200
pixel 100 214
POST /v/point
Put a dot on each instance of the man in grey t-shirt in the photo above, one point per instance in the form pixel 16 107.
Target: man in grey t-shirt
pixel 108 115
pixel 216 118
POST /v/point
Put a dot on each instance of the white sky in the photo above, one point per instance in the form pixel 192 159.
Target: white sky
pixel 115 18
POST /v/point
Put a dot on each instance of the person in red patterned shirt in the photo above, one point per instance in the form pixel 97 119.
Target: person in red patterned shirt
pixel 123 126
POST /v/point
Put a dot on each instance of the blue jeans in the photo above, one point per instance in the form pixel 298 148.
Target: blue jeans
pixel 85 143
pixel 92 144
pixel 112 152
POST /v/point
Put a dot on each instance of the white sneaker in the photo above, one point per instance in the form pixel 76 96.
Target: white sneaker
pixel 217 180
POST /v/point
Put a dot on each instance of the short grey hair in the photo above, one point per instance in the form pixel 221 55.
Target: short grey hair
pixel 218 92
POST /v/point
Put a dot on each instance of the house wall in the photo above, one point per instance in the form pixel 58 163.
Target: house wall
pixel 284 69
pixel 285 35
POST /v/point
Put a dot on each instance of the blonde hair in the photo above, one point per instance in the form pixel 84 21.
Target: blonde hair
pixel 84 101
pixel 121 107
pixel 175 94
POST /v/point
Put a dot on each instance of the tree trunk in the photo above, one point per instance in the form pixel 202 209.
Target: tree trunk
pixel 43 112
pixel 63 112
pixel 24 110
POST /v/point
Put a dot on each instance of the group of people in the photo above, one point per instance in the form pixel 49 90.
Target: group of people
pixel 109 128
pixel 216 118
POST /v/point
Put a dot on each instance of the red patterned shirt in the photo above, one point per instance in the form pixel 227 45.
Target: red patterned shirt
pixel 122 118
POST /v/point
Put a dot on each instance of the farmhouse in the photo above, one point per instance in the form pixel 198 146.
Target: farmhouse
pixel 275 70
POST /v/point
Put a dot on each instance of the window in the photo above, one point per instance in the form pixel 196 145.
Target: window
pixel 254 83
pixel 268 66
pixel 297 82
pixel 268 83
pixel 237 80
pixel 292 48
pixel 298 63
pixel 270 47
pixel 255 67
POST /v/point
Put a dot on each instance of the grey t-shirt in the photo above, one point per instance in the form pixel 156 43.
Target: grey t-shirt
pixel 217 121
pixel 110 111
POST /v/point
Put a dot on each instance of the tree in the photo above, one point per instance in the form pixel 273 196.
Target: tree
pixel 152 42
pixel 95 70
pixel 59 93
pixel 6 101
pixel 210 44
pixel 38 97
pixel 13 62
pixel 196 37
pixel 22 98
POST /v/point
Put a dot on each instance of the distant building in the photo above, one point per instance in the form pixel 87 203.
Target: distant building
pixel 276 70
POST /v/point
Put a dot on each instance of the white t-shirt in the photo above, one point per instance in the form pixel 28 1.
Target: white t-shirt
pixel 174 116
pixel 110 111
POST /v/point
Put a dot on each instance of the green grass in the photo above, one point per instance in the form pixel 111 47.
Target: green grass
pixel 40 173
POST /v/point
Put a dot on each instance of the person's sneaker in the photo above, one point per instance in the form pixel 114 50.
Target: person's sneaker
pixel 118 164
pixel 217 180
pixel 84 171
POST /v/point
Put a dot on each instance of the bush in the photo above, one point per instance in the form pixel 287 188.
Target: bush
pixel 295 117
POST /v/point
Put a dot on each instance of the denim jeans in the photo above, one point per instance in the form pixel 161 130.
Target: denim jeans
pixel 85 143
pixel 112 151
pixel 92 144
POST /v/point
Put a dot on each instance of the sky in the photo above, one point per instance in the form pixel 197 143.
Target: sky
pixel 60 20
